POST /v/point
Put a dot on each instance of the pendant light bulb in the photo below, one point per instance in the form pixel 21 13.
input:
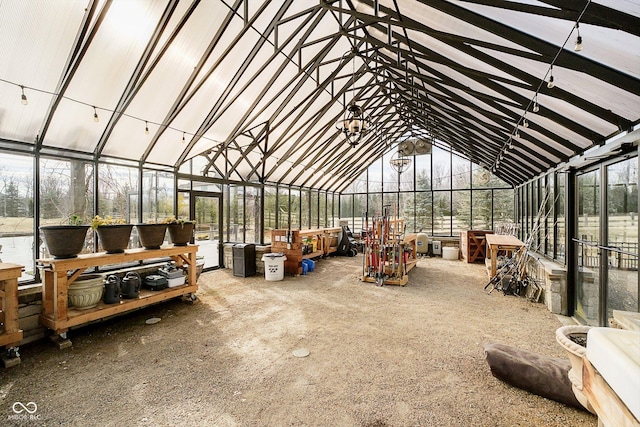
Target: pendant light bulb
pixel 578 46
pixel 146 128
pixel 510 144
pixel 536 107
pixel 23 97
pixel 95 115
pixel 517 135
pixel 183 140
pixel 550 83
pixel 525 123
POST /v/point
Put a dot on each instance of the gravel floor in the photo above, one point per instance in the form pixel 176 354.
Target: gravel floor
pixel 379 356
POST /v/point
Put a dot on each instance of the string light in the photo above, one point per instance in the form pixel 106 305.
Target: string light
pixel 517 134
pixel 23 97
pixel 146 127
pixel 183 140
pixel 578 46
pixel 550 83
pixel 525 122
pixel 95 115
pixel 536 107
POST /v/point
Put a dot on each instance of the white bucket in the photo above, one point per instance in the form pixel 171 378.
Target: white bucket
pixel 449 253
pixel 274 266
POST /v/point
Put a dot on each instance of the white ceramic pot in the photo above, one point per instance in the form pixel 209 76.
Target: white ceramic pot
pixel 86 291
pixel 576 352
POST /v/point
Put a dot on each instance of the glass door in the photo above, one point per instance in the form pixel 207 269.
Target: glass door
pixel 622 236
pixel 206 209
pixel 587 297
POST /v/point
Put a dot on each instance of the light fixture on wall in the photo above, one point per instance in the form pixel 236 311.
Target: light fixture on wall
pixel 23 97
pixel 355 123
pixel 578 46
pixel 95 115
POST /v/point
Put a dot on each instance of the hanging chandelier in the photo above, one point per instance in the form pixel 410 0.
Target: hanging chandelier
pixel 355 123
pixel 399 162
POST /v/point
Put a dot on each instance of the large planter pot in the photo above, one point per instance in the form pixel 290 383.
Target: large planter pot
pixel 151 236
pixel 64 241
pixel 86 291
pixel 574 340
pixel 181 234
pixel 114 238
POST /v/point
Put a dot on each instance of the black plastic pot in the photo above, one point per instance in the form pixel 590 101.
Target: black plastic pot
pixel 64 241
pixel 114 238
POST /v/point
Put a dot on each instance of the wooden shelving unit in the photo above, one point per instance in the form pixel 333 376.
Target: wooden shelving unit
pixel 473 245
pixel 291 242
pixel 59 273
pixel 331 239
pixel 10 333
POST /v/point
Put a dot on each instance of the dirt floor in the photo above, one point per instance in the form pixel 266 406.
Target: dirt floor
pixel 379 356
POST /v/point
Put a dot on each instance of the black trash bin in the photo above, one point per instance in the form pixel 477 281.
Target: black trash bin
pixel 244 259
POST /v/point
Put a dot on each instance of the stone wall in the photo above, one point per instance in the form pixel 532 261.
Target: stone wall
pixel 553 277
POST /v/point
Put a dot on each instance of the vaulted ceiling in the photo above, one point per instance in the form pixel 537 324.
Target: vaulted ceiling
pixel 251 90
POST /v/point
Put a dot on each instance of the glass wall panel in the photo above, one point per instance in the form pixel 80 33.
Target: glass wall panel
pixel 502 206
pixel 481 210
pixel 322 208
pixel 423 172
pixel 424 212
pixel 375 204
pixel 236 214
pixel 304 208
pixel 252 215
pixel 622 230
pixel 346 208
pixel 283 207
pixel 442 213
pixel 294 205
pixel 407 176
pixel 270 209
pixel 549 236
pixel 330 210
pixel 16 205
pixel 461 215
pixel 314 220
pixel 588 280
pixel 359 208
pixel 118 194
pixel 441 174
pixel 407 210
pixel 461 172
pixel 157 195
pixel 374 177
pixel 560 235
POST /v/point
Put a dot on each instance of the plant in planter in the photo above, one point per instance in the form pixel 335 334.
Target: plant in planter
pixel 151 235
pixel 65 240
pixel 114 233
pixel 180 230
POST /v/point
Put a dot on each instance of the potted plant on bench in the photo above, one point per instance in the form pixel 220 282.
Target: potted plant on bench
pixel 114 233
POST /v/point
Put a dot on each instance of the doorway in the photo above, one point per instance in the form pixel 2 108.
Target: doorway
pixel 205 208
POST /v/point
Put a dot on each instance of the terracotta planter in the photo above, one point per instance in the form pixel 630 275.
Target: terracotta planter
pixel 64 241
pixel 181 234
pixel 151 236
pixel 114 238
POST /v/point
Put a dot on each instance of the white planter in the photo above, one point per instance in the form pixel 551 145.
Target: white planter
pixel 576 352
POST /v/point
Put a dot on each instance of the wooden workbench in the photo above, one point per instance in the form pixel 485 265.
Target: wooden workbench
pixel 59 273
pixel 10 332
pixel 500 242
